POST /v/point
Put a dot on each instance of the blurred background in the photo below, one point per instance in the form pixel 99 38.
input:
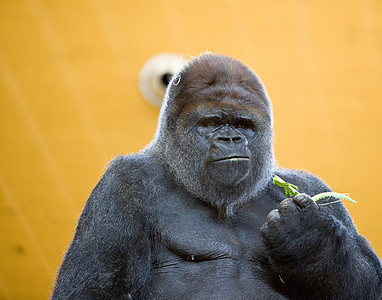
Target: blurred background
pixel 70 102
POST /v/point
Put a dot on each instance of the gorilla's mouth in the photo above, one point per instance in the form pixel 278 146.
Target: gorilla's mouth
pixel 232 159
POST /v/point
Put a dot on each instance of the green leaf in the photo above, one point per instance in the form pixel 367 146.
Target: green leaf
pixel 290 189
pixel 332 194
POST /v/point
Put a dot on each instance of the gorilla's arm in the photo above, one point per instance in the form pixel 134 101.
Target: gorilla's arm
pixel 99 263
pixel 315 252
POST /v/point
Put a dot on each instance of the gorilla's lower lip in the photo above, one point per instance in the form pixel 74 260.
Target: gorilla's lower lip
pixel 232 158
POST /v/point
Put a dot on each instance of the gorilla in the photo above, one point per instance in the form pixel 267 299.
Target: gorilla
pixel 195 215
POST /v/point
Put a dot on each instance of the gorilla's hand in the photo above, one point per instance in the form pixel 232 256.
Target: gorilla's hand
pixel 311 254
pixel 297 232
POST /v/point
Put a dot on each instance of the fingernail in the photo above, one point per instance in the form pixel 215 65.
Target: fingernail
pixel 299 197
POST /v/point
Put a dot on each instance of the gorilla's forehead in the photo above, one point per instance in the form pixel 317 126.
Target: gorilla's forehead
pixel 229 98
pixel 230 91
pixel 230 107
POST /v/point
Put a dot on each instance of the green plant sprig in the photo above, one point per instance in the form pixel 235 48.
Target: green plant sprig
pixel 292 190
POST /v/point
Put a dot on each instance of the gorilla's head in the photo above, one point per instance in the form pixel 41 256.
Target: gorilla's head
pixel 215 132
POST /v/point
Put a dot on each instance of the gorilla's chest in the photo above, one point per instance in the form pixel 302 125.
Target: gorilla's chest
pixel 193 248
pixel 192 231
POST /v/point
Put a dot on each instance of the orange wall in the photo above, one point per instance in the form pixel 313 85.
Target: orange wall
pixel 69 102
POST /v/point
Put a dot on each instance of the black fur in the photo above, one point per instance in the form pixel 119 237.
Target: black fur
pixel 181 221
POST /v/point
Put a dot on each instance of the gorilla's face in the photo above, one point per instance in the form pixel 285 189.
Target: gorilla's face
pixel 226 137
pixel 224 134
pixel 222 151
pixel 216 132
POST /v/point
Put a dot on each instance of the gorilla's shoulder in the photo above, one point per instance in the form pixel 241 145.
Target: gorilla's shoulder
pixel 307 182
pixel 130 179
pixel 132 174
pixel 135 165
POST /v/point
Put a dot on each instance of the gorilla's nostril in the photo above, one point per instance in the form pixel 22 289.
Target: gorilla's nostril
pixel 224 139
pixel 230 139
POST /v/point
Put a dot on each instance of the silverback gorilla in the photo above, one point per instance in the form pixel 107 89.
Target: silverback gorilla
pixel 195 214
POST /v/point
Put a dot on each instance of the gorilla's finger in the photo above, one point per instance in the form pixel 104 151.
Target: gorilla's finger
pixel 287 206
pixel 264 230
pixel 273 216
pixel 271 235
pixel 267 232
pixel 304 201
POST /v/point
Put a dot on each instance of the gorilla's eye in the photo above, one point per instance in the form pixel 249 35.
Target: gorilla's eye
pixel 210 122
pixel 244 123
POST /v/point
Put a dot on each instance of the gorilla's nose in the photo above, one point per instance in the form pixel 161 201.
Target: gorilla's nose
pixel 228 137
pixel 237 139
